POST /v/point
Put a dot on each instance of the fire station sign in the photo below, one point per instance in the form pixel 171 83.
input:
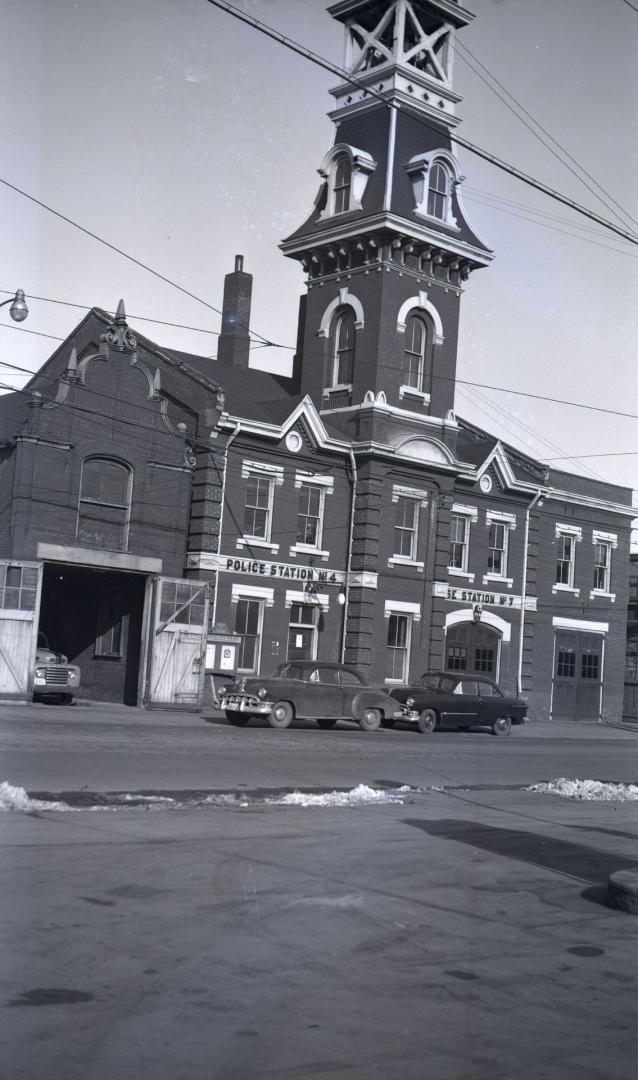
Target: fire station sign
pixel 484 597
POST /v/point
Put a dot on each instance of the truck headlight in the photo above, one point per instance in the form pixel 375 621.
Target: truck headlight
pixel 262 693
pixel 73 675
pixel 409 702
pixel 40 673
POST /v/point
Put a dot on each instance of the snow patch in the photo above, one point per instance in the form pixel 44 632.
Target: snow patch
pixel 361 795
pixel 16 798
pixel 588 790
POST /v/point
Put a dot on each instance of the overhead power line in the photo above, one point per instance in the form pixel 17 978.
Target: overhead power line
pixel 630 5
pixel 347 77
pixel 119 251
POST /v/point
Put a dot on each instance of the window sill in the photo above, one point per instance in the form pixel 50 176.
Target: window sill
pixel 411 391
pixel 453 572
pixel 605 595
pixel 307 549
pixel 566 588
pixel 496 579
pixel 256 541
pixel 338 388
pixel 399 560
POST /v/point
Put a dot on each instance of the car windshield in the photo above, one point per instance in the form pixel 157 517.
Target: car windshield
pixel 290 671
pixel 445 683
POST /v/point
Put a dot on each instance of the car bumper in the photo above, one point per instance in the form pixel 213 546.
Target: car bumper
pixel 404 713
pixel 242 704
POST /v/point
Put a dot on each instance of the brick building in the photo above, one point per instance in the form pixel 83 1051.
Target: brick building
pixel 347 511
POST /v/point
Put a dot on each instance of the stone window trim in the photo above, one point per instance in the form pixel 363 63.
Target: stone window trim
pixel 308 549
pixel 603 595
pixel 402 560
pixel 418 169
pixel 568 530
pixel 498 580
pixel 293 596
pixel 257 542
pixel 362 165
pixel 344 299
pixel 559 587
pixel 468 511
pixel 416 304
pixel 501 518
pixel 400 491
pixel 263 468
pixel 411 391
pixel 599 537
pixel 315 478
pixel 586 626
pixel 402 607
pixel 454 572
pixel 252 592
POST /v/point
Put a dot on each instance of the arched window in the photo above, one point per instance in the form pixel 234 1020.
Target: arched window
pixel 416 339
pixel 438 191
pixel 104 505
pixel 343 362
pixel 342 185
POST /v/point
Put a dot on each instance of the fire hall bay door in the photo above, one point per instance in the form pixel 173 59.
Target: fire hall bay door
pixel 178 644
pixel 20 588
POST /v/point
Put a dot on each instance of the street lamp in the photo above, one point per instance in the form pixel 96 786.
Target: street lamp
pixel 18 310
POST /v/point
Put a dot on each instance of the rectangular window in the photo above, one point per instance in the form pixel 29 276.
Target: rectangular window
pixel 405 527
pixel 459 537
pixel 602 566
pixel 302 632
pixel 248 624
pixel 566 664
pixel 111 617
pixel 398 647
pixel 18 587
pixel 258 512
pixel 589 666
pixel 456 658
pixel 309 515
pixel 565 560
pixel 497 554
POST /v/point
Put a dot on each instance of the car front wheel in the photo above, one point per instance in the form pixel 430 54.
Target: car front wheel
pixel 370 720
pixel 281 715
pixel 502 726
pixel 426 722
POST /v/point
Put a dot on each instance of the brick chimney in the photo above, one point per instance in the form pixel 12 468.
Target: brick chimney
pixel 234 342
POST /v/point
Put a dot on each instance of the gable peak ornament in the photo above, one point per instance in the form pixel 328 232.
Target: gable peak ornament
pixel 119 335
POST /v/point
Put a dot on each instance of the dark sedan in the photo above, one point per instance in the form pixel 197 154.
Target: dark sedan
pixel 450 700
pixel 311 690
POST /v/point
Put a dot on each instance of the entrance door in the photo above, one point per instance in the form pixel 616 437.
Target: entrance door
pixel 20 586
pixel 178 643
pixel 578 664
pixel 472 647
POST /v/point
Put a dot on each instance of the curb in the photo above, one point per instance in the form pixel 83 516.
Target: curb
pixel 622 891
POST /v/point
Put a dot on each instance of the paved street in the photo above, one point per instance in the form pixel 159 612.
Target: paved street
pixel 459 934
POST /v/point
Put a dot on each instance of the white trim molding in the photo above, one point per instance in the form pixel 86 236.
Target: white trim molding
pixel 419 494
pixel 402 607
pixel 296 597
pixel 464 615
pixel 263 468
pixel 344 299
pixel 559 587
pixel 362 165
pixel 468 511
pixel 585 625
pixel 500 518
pixel 403 560
pixel 308 549
pixel 240 591
pixel 420 302
pixel 598 537
pixel 315 478
pixel 258 542
pixel 568 530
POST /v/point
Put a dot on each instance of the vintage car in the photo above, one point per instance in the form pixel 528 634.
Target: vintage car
pixel 54 678
pixel 447 699
pixel 312 690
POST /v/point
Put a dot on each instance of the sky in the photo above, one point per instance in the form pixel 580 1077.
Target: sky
pixel 184 137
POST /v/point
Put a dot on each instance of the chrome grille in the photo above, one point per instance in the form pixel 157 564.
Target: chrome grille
pixel 55 676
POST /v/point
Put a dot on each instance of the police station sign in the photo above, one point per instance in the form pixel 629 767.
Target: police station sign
pixel 264 568
pixel 484 597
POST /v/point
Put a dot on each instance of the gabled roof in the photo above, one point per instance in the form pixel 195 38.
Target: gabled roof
pixel 251 393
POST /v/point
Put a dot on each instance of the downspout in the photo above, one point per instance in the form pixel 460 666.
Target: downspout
pixel 353 465
pixel 233 435
pixel 519 676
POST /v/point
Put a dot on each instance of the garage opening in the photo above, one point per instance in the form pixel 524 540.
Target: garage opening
pixel 94 617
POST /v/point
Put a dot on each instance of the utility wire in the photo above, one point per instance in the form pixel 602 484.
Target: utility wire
pixel 119 251
pixel 352 80
pixel 630 5
pixel 559 154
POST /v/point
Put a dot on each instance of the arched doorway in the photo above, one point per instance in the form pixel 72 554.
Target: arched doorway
pixel 473 647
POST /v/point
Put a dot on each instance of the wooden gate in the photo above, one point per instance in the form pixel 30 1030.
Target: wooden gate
pixel 578 670
pixel 20 588
pixel 178 645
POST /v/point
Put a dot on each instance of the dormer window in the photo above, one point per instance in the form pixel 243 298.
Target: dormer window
pixel 342 185
pixel 433 177
pixel 438 191
pixel 346 172
pixel 343 363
